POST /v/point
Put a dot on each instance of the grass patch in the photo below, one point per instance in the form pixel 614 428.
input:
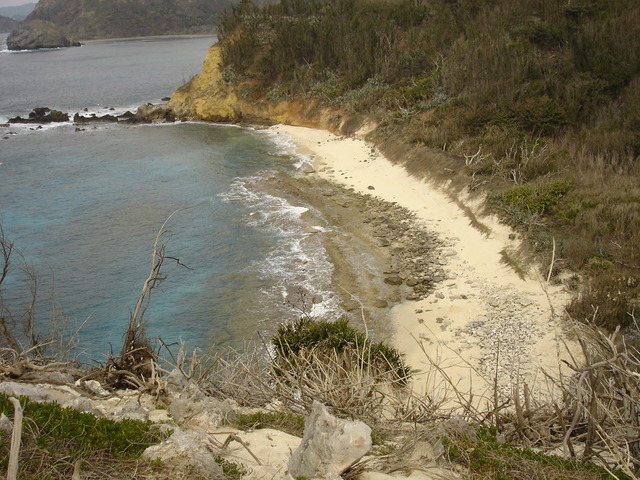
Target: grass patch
pixel 285 421
pixel 487 458
pixel 231 470
pixel 607 298
pixel 55 438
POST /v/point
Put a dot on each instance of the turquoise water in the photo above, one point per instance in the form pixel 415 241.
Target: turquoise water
pixel 84 206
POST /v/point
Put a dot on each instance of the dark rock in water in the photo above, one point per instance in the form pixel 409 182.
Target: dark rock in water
pixel 79 119
pixel 42 115
pixel 126 117
pixel 379 303
pixel 145 114
pixel 351 305
pixel 36 34
pixel 393 280
pixel 155 112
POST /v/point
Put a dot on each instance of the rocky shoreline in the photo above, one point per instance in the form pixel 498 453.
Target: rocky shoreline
pixel 144 114
pixel 382 255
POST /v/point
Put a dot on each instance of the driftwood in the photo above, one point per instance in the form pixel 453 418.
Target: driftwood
pixel 16 435
pixel 137 364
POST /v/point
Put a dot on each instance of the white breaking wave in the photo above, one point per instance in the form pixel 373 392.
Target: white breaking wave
pixel 285 146
pixel 298 264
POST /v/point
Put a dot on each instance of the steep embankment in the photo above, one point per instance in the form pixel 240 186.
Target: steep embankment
pixel 208 96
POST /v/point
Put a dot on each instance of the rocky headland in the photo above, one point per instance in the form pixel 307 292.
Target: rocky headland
pixel 209 97
pixel 37 34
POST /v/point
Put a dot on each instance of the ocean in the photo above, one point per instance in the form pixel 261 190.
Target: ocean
pixel 83 205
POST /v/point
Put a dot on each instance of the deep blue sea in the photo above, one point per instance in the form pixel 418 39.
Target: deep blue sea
pixel 83 206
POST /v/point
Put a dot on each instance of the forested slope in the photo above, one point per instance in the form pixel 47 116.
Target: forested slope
pixel 535 103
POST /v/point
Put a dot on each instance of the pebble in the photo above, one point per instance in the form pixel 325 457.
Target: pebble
pixel 506 335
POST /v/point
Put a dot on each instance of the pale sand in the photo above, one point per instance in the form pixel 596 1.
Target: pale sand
pixel 478 282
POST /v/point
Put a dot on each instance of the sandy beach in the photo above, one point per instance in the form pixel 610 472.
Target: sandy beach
pixel 483 322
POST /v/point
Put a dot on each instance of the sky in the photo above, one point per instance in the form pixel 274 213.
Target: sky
pixel 13 3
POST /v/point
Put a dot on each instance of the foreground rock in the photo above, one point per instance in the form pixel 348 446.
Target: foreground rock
pixel 37 34
pixel 201 436
pixel 186 451
pixel 329 447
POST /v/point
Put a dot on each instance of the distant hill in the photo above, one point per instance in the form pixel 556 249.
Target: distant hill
pixel 18 12
pixel 90 19
pixel 7 24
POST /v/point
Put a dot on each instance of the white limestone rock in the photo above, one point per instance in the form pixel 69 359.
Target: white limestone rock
pixel 36 394
pixel 133 411
pixel 330 446
pixel 184 451
pixel 6 425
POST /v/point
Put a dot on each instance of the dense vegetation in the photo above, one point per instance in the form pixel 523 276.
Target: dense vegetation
pixel 529 96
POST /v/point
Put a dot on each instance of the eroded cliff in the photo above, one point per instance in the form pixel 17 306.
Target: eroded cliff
pixel 208 96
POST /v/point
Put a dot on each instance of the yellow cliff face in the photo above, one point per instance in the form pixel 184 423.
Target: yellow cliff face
pixel 206 96
pixel 209 97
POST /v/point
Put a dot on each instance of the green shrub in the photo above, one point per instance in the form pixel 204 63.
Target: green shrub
pixel 231 470
pixel 322 335
pixel 541 114
pixel 536 198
